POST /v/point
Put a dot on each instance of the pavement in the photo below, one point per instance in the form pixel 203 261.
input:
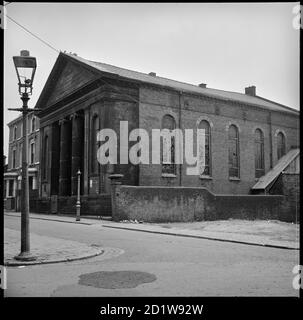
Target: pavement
pixel 46 249
pixel 136 263
pixel 267 233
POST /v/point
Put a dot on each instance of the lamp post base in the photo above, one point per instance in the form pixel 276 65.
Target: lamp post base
pixel 25 256
pixel 78 206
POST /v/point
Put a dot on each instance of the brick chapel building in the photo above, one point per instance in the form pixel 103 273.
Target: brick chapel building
pixel 246 135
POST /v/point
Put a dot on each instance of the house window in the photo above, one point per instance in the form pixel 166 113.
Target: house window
pixel 30 183
pixel 32 152
pixel 45 158
pixel 168 122
pixel 95 144
pixel 259 153
pixel 11 188
pixel 15 133
pixel 14 159
pixel 33 124
pixel 280 145
pixel 205 125
pixel 233 152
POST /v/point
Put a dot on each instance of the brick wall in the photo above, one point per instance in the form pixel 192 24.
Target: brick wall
pixel 188 110
pixel 288 185
pixel 168 204
pixel 99 205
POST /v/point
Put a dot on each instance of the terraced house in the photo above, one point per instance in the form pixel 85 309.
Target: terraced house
pixel 12 176
pixel 252 143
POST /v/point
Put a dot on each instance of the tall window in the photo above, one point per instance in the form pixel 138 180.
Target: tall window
pixel 280 145
pixel 259 153
pixel 205 125
pixel 233 152
pixel 14 159
pixel 30 183
pixel 33 124
pixel 95 144
pixel 168 122
pixel 15 133
pixel 11 188
pixel 32 152
pixel 45 157
pixel 20 154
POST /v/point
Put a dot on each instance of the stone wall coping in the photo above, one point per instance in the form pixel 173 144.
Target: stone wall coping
pixel 203 188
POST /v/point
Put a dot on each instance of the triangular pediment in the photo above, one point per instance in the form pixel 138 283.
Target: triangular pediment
pixel 65 79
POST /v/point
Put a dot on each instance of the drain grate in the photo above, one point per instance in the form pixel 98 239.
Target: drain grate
pixel 116 279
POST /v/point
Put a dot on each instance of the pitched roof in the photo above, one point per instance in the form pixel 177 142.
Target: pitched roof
pixel 177 85
pixel 271 175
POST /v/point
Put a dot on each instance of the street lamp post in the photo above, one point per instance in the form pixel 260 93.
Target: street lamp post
pixel 25 68
pixel 78 204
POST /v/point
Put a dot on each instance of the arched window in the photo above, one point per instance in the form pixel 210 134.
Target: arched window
pixel 45 158
pixel 280 145
pixel 168 122
pixel 259 153
pixel 205 125
pixel 233 152
pixel 94 144
pixel 33 124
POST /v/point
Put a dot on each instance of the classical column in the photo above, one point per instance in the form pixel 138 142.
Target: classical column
pixel 77 149
pixel 55 159
pixel 65 149
pixel 86 151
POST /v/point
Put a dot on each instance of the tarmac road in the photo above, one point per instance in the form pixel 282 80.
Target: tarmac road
pixel 146 264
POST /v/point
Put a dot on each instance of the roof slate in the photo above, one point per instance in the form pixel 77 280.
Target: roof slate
pixel 177 85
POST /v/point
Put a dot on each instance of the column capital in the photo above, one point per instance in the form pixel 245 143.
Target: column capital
pixel 75 115
pixel 62 121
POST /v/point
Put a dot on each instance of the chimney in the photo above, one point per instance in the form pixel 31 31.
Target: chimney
pixel 153 74
pixel 202 85
pixel 24 53
pixel 251 91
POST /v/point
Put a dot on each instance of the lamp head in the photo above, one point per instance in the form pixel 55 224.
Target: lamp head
pixel 25 66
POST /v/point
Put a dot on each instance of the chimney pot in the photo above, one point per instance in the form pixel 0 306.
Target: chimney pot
pixel 251 91
pixel 24 53
pixel 153 74
pixel 202 85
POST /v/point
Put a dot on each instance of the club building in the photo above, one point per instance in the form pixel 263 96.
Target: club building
pixel 250 141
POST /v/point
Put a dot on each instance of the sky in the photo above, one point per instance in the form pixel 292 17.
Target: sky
pixel 228 46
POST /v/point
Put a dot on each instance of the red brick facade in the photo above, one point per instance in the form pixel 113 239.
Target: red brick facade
pixel 188 110
pixel 77 91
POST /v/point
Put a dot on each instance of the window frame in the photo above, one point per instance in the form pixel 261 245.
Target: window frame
pixel 32 152
pixel 259 158
pixel 33 124
pixel 209 165
pixel 283 145
pixel 235 141
pixel 11 188
pixel 15 133
pixel 168 170
pixel 14 151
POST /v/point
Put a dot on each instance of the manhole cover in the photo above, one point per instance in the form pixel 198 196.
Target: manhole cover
pixel 116 279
